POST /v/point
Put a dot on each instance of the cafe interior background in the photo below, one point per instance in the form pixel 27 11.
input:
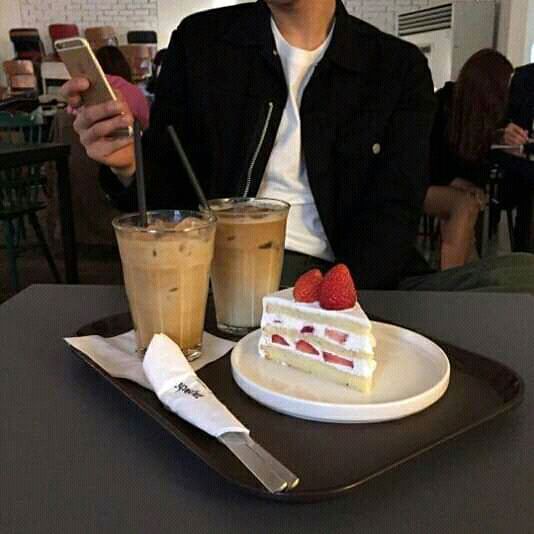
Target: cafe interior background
pixel 507 25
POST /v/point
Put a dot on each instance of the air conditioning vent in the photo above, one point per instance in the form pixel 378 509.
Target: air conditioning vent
pixel 425 20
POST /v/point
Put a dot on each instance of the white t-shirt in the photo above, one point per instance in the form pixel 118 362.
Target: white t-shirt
pixel 286 177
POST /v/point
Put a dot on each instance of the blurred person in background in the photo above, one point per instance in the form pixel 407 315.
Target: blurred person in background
pixel 519 172
pixel 156 68
pixel 468 115
pixel 521 106
pixel 119 75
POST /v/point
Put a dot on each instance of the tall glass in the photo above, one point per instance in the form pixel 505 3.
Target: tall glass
pixel 249 253
pixel 166 269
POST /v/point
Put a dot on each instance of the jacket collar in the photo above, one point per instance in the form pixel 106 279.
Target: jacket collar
pixel 352 42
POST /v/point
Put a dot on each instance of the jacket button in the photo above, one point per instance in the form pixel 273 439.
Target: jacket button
pixel 377 149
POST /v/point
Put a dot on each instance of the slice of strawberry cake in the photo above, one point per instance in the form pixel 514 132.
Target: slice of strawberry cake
pixel 319 327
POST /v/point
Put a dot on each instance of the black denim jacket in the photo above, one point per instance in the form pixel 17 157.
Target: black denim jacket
pixel 366 116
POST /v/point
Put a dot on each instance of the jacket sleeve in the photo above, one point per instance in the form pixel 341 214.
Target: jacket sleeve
pixel 520 105
pixel 386 225
pixel 167 186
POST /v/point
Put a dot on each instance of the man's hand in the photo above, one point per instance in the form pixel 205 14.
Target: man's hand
pixel 96 124
pixel 515 135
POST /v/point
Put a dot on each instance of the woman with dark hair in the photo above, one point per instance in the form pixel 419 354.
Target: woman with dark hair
pixel 468 116
pixel 119 75
pixel 479 104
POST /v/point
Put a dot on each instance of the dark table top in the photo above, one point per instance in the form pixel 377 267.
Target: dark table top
pixel 79 457
pixel 12 155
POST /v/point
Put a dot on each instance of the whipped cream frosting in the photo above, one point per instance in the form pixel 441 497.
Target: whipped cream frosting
pixel 285 297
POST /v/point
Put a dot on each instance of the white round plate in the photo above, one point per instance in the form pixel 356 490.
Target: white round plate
pixel 412 373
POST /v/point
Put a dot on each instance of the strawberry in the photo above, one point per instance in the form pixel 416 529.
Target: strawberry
pixel 307 330
pixel 304 346
pixel 336 335
pixel 279 340
pixel 337 290
pixel 307 286
pixel 338 360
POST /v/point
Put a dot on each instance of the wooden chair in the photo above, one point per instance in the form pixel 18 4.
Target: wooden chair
pixel 62 31
pixel 499 201
pixel 142 37
pixel 22 191
pixel 101 36
pixel 139 58
pixel 20 76
pixel 27 44
pixel 53 75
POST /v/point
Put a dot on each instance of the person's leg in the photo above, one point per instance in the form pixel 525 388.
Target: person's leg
pixel 511 273
pixel 458 212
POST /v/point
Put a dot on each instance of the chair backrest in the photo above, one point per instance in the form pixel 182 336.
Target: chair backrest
pixel 14 67
pixel 142 37
pixel 139 58
pixel 20 76
pixel 20 127
pixel 27 44
pixel 99 36
pixel 62 31
pixel 20 188
pixel 53 74
pixel 18 103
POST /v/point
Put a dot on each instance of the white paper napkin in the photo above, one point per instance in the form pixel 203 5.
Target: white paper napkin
pixel 117 355
pixel 181 391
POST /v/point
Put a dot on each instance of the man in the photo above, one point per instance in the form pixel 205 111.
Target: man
pixel 521 106
pixel 298 100
pixel 520 173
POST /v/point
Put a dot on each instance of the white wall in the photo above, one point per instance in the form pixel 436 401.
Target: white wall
pixel 529 40
pixel 516 49
pixel 9 18
pixel 514 29
pixel 171 12
pixel 123 15
pixel 503 25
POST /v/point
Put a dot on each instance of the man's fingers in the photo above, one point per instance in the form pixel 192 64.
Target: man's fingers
pixel 74 102
pixel 99 112
pixel 519 132
pixel 100 150
pixel 105 128
pixel 72 90
pixel 515 135
pixel 74 86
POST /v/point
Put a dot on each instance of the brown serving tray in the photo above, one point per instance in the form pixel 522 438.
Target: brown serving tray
pixel 330 459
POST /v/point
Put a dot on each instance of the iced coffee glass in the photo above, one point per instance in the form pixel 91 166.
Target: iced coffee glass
pixel 166 269
pixel 249 252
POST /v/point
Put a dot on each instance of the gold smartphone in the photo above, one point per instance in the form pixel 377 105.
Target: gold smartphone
pixel 80 61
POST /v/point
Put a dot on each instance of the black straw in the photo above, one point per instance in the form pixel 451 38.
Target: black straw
pixel 140 175
pixel 190 173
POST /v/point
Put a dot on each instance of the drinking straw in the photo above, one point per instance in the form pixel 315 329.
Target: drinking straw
pixel 190 173
pixel 140 175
